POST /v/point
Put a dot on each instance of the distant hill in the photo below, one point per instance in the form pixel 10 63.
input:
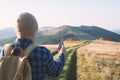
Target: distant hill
pixel 52 36
pixel 7 33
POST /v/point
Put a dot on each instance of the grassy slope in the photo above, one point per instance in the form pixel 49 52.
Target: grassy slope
pixel 99 61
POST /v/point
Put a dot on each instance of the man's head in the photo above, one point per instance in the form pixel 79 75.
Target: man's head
pixel 26 25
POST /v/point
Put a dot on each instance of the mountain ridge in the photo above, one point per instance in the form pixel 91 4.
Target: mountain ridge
pixel 77 32
pixel 53 35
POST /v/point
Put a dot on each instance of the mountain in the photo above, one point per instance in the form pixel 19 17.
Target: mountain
pixel 53 35
pixel 77 32
pixel 7 33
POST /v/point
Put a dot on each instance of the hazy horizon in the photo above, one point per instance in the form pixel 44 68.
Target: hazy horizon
pixel 102 13
pixel 113 30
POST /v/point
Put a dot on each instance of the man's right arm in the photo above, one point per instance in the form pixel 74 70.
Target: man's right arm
pixel 54 68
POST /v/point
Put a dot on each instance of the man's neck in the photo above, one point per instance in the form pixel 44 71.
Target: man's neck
pixel 32 37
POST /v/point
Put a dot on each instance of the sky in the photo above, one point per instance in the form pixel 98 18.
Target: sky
pixel 102 13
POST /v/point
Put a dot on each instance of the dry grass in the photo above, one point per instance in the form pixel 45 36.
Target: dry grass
pixel 72 42
pixel 99 60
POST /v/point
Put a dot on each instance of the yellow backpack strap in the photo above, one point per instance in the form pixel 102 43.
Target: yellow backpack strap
pixel 7 49
pixel 29 49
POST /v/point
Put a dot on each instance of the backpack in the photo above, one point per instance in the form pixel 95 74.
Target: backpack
pixel 16 67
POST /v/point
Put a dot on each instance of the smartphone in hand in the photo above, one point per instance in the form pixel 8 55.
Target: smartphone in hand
pixel 60 44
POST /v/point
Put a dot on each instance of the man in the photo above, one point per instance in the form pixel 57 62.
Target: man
pixel 40 59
